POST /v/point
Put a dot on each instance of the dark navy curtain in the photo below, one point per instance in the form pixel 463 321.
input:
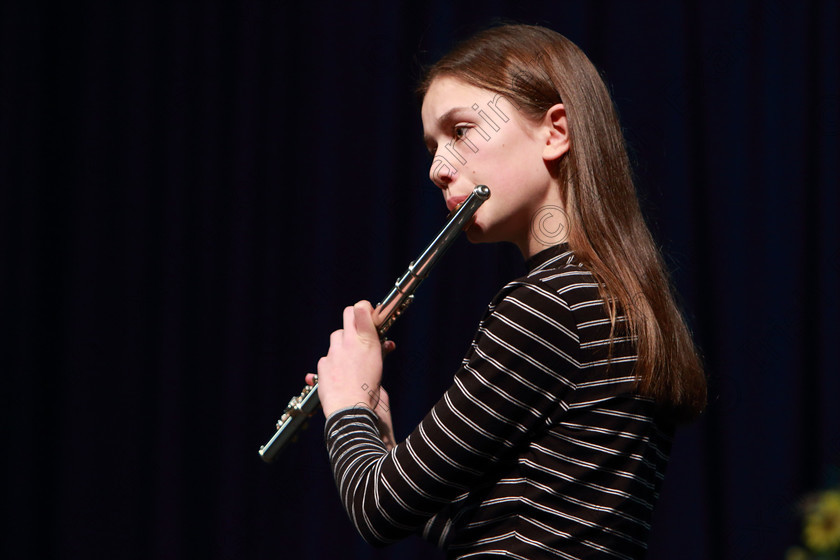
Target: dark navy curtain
pixel 192 192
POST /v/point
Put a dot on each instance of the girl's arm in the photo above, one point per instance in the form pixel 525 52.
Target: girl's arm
pixel 511 381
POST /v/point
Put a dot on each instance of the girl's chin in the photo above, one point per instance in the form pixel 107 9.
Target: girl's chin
pixel 475 234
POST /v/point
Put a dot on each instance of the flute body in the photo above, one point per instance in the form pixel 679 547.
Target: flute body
pixel 297 412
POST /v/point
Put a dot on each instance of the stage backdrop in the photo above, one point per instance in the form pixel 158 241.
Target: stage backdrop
pixel 192 192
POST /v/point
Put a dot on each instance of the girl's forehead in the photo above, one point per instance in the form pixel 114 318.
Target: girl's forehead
pixel 445 87
pixel 446 93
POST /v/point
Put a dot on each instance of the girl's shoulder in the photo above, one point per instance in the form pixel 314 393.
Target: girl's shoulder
pixel 560 287
pixel 568 286
pixel 557 271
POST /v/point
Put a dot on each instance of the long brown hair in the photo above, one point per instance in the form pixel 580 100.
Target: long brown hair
pixel 535 68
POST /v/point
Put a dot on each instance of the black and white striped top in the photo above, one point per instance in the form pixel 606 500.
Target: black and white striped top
pixel 537 450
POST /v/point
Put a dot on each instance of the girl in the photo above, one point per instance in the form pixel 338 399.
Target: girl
pixel 553 439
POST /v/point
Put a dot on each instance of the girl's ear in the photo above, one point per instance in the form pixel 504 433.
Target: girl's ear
pixel 557 133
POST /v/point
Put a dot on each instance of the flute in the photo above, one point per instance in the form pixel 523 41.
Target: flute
pixel 401 295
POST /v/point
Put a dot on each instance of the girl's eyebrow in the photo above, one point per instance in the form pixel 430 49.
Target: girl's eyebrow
pixel 447 116
pixel 442 120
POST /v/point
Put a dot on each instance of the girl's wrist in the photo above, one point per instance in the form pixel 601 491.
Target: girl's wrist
pixel 360 399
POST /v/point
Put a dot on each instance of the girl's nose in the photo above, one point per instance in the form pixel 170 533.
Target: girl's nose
pixel 441 172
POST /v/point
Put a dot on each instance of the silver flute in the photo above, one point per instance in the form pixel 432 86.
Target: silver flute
pixel 302 406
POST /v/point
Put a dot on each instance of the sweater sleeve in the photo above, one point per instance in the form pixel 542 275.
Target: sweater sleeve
pixel 517 375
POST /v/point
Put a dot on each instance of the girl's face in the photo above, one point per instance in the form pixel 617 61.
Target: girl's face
pixel 478 137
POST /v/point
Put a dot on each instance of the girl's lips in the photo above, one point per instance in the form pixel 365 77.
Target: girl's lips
pixel 453 202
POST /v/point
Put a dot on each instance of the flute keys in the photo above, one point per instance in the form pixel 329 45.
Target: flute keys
pixel 395 315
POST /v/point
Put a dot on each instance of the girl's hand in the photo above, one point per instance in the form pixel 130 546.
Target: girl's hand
pixel 350 374
pixel 383 404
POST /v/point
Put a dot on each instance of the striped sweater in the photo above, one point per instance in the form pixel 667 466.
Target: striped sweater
pixel 539 449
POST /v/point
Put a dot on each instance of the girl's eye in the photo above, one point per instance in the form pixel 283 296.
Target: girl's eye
pixel 460 131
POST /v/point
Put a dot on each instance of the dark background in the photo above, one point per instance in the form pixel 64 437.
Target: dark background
pixel 192 192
